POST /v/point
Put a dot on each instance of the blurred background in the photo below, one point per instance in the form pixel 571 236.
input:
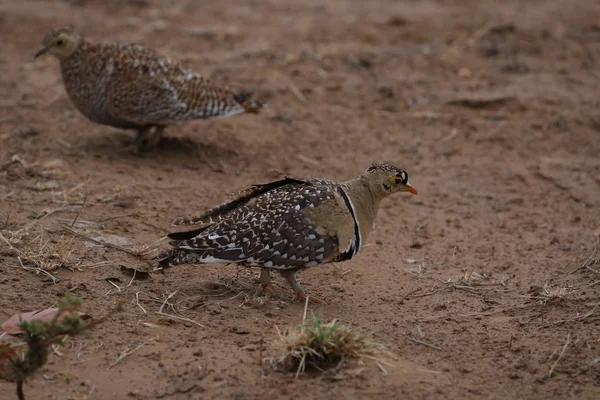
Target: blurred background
pixel 491 107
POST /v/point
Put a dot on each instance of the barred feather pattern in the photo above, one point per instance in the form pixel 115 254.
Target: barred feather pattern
pixel 130 86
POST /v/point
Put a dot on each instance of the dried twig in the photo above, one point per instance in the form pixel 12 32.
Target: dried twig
pixel 308 160
pixel 593 259
pixel 126 352
pixel 137 301
pixel 562 352
pixel 408 294
pixel 81 209
pixel 55 280
pixel 114 284
pixel 296 92
pixel 433 346
pixel 578 317
pixel 380 365
pixel 100 243
pixel 164 314
pixel 137 253
pixel 132 278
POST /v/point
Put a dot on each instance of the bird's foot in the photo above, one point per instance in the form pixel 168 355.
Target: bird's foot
pixel 133 148
pixel 143 141
pixel 265 290
pixel 299 295
pixel 155 137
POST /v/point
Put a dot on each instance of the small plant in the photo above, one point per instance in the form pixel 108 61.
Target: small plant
pixel 321 346
pixel 39 336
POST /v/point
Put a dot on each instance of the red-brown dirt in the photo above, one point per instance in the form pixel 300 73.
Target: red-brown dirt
pixel 491 107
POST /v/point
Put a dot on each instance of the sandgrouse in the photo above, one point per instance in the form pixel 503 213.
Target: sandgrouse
pixel 131 87
pixel 288 224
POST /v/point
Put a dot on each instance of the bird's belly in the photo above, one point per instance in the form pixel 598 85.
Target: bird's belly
pixel 90 101
pixel 103 117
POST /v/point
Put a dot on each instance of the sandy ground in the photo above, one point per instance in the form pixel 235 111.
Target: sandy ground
pixel 492 108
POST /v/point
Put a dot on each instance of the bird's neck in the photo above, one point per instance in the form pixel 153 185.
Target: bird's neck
pixel 78 64
pixel 366 200
pixel 75 47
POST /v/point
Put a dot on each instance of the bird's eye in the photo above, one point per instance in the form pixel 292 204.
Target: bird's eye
pixel 60 42
pixel 401 178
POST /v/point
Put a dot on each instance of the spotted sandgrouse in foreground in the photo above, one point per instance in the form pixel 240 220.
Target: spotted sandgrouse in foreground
pixel 131 87
pixel 288 224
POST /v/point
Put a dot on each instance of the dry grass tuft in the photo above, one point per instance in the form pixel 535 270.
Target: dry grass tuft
pixel 552 294
pixel 321 346
pixel 472 281
pixel 17 168
pixel 43 252
pixel 50 256
pixel 549 294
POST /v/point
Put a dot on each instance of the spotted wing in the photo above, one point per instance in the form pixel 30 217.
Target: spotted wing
pixel 291 227
pixel 241 198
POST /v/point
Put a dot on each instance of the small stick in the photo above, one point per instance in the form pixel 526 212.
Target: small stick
pixel 424 343
pixel 260 353
pixel 296 92
pixel 81 209
pixel 114 284
pixel 308 160
pixel 137 301
pixel 591 259
pixel 305 310
pixel 64 143
pixel 81 347
pixel 429 293
pixel 160 310
pixel 381 367
pixel 592 269
pixel 54 279
pixel 5 240
pixel 449 137
pixel 100 243
pixel 560 355
pixel 408 294
pixel 345 273
pixel 125 353
pixel 132 278
pixel 181 318
pixel 164 314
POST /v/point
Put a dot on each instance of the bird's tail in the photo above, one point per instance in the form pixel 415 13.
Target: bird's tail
pixel 246 100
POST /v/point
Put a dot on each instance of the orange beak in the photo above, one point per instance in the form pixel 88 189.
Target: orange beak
pixel 411 189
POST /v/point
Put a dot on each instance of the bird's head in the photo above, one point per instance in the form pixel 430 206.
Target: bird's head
pixel 60 42
pixel 388 179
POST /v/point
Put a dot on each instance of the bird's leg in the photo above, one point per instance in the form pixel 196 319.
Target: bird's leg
pixel 155 137
pixel 139 141
pixel 265 279
pixel 290 277
pixel 142 137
